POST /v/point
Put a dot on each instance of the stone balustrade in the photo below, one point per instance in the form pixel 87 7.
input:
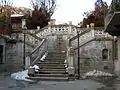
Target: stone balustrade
pixel 57 30
pixel 101 33
pixel 88 36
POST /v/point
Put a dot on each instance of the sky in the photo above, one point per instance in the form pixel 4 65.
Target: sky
pixel 66 10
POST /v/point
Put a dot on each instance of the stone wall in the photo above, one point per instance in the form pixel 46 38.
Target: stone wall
pixel 91 57
pixel 12 56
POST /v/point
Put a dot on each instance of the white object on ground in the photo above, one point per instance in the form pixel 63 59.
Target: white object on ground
pixel 43 57
pixel 65 64
pixel 21 75
pixel 98 73
pixel 36 68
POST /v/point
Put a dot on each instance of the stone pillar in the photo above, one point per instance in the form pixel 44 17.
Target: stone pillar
pixel 93 33
pixel 70 55
pixel 27 59
pixel 117 62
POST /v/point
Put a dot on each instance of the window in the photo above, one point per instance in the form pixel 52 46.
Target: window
pixel 105 54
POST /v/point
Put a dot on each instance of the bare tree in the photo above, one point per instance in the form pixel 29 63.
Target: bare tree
pixel 5 2
pixel 5 8
pixel 47 6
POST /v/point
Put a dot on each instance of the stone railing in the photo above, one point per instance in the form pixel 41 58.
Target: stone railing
pixel 30 38
pixel 87 36
pixel 83 38
pixel 57 30
pixel 38 52
pixel 99 34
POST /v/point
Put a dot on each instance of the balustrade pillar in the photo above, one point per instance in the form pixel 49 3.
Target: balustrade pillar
pixel 93 32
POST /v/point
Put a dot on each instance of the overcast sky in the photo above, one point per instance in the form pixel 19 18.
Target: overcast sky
pixel 67 10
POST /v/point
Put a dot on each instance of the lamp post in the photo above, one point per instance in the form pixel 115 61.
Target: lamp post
pixel 78 34
pixel 24 28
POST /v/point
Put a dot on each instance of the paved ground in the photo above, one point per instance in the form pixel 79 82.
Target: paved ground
pixel 7 83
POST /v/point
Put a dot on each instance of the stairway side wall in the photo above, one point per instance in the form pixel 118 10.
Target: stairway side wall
pixel 91 57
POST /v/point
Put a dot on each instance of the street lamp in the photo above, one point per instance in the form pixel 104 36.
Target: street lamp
pixel 24 28
pixel 78 35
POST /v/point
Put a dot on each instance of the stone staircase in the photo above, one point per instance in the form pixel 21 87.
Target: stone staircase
pixel 52 68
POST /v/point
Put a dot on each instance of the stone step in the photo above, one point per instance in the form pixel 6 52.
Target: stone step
pixel 47 69
pixel 51 75
pixel 56 52
pixel 51 67
pixel 55 59
pixel 59 61
pixel 49 78
pixel 46 62
pixel 52 72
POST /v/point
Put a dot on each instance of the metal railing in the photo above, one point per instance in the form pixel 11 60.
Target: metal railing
pixel 38 52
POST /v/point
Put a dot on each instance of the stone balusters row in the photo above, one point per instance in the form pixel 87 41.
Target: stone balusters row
pixel 57 30
pixel 88 36
pixel 83 39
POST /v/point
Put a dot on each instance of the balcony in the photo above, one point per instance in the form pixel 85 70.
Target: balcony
pixel 112 19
